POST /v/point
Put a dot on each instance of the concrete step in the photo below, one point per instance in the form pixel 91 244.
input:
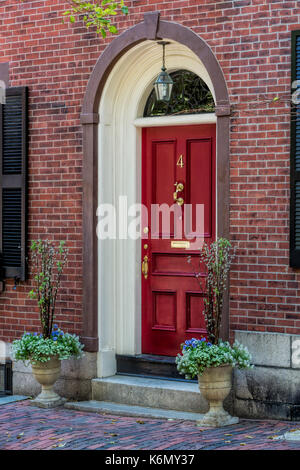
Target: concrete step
pixel 150 393
pixel 130 410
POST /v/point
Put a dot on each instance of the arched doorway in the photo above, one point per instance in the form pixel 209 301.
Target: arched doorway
pixel 112 116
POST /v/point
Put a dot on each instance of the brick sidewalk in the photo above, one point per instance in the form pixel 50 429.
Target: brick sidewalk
pixel 24 427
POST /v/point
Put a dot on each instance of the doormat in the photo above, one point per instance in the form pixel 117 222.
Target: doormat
pixel 12 398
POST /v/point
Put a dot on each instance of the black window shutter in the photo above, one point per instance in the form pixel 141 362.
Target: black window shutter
pixel 295 158
pixel 13 182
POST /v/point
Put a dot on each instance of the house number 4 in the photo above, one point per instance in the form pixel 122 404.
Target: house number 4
pixel 180 161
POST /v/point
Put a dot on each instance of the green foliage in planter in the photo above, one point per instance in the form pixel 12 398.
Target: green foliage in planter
pixel 214 261
pixel 47 262
pixel 34 347
pixel 199 354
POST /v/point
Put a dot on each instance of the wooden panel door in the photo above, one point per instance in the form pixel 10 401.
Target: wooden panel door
pixel 172 305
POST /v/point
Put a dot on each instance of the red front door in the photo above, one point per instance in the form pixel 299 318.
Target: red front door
pixel 182 159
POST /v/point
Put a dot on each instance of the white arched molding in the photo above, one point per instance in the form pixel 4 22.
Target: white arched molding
pixel 121 118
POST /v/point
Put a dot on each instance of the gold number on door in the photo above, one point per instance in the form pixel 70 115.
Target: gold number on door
pixel 180 161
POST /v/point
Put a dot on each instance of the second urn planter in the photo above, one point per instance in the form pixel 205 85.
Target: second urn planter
pixel 210 358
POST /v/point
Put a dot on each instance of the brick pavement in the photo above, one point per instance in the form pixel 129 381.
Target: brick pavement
pixel 24 427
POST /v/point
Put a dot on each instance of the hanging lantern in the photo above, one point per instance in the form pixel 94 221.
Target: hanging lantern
pixel 163 84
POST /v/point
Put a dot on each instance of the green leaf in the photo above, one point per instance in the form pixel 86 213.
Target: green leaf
pixel 97 14
pixel 112 29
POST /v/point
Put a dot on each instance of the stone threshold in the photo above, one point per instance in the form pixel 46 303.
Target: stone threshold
pixel 147 365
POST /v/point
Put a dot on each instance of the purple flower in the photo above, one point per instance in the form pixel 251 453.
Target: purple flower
pixel 192 343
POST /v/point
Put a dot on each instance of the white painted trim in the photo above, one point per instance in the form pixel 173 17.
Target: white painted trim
pixel 121 108
pixel 182 120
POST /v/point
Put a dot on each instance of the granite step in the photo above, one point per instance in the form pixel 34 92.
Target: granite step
pixel 147 392
pixel 105 407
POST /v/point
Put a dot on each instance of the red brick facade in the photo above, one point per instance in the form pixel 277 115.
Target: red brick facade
pixel 251 40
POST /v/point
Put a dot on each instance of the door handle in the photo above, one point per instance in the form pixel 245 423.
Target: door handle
pixel 179 188
pixel 145 266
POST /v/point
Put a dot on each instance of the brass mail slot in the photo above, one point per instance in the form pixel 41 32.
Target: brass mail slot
pixel 180 244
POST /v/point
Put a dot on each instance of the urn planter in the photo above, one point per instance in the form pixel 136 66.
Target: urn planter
pixel 215 384
pixel 46 348
pixel 46 374
pixel 209 357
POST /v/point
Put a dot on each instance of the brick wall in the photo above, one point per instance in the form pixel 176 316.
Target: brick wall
pixel 251 40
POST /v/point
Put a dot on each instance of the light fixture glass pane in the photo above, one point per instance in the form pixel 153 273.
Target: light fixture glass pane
pixel 163 90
